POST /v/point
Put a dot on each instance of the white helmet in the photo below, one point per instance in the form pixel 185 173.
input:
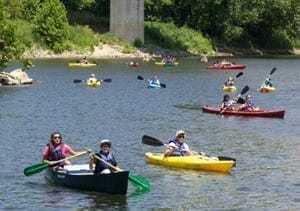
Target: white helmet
pixel 105 142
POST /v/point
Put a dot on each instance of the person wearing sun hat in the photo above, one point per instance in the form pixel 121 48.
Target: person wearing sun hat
pixel 105 154
pixel 249 105
pixel 92 79
pixel 177 146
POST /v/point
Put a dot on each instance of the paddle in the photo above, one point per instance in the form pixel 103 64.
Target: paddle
pixel 243 91
pixel 102 80
pixel 37 168
pixel 142 78
pixel 155 142
pixel 137 181
pixel 240 100
pixel 272 71
pixel 239 74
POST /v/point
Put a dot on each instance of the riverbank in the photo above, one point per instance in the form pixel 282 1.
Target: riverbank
pixel 105 51
pixel 109 52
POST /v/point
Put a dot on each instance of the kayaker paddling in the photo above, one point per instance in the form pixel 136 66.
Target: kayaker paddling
pixel 92 79
pixel 229 81
pixel 249 105
pixel 227 104
pixel 84 60
pixel 154 80
pixel 178 147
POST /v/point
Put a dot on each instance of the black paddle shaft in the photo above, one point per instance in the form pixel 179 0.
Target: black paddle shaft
pixel 273 70
pixel 239 74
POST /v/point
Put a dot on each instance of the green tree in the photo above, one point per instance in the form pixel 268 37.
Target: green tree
pixel 77 5
pixel 271 24
pixel 29 9
pixel 51 25
pixel 12 47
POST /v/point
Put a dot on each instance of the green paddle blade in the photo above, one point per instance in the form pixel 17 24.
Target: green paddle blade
pixel 34 169
pixel 139 182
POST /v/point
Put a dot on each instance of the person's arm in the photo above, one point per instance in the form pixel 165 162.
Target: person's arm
pixel 68 150
pixel 222 106
pixel 92 163
pixel 189 152
pixel 169 151
pixel 171 148
pixel 45 154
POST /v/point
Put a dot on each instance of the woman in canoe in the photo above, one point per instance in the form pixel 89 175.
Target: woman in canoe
pixel 177 146
pixel 249 105
pixel 57 150
pixel 105 154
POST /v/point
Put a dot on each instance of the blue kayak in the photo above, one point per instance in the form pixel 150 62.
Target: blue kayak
pixel 151 85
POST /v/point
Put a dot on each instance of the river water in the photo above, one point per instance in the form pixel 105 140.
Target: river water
pixel 267 175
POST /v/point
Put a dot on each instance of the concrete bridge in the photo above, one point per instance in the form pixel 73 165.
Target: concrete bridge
pixel 127 19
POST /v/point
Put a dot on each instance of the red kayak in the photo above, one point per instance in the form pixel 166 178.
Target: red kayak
pixel 227 66
pixel 275 113
pixel 134 64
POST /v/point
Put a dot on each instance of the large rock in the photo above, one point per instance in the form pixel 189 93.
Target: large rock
pixel 15 77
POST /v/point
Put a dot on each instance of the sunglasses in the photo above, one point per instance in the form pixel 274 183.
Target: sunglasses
pixel 56 137
pixel 181 136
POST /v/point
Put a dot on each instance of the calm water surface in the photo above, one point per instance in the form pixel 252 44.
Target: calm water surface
pixel 267 174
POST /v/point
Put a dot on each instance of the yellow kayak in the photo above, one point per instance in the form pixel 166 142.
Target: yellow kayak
pixel 146 59
pixel 93 83
pixel 197 162
pixel 229 88
pixel 79 64
pixel 266 89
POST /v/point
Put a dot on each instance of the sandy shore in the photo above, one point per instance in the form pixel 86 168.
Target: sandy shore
pixel 110 52
pixel 105 51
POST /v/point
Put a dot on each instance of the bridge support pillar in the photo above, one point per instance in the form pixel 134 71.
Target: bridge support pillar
pixel 127 19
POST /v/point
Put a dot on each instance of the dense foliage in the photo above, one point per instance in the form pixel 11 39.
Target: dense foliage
pixel 167 35
pixel 51 25
pixel 12 47
pixel 266 24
